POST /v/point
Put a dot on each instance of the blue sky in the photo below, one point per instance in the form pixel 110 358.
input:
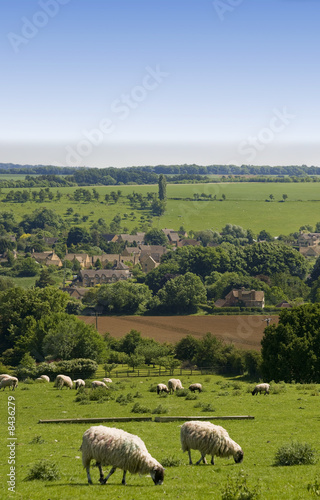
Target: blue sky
pixel 143 82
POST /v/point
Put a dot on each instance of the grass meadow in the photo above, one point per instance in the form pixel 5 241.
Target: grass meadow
pixel 289 413
pixel 245 205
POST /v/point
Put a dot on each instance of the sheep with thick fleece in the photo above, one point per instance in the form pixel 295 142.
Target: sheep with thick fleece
pixel 45 377
pixel 9 382
pixel 62 380
pixel 261 388
pixel 79 383
pixel 162 388
pixel 119 449
pixel 195 387
pixel 98 383
pixel 174 384
pixel 107 380
pixel 4 375
pixel 209 439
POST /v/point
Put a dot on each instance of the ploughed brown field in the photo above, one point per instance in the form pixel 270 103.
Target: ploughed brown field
pixel 244 332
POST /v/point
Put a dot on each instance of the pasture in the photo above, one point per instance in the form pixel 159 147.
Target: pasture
pixel 245 205
pixel 289 413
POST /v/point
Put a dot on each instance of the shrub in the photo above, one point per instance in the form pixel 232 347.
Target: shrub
pixel 314 488
pixel 295 454
pixel 99 394
pixel 159 409
pixel 238 489
pixel 181 393
pixel 43 470
pixel 171 461
pixel 124 400
pixel 204 406
pixel 191 396
pixel 75 368
pixel 36 440
pixel 138 408
pixel 153 388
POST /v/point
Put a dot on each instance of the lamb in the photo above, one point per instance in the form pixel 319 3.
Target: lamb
pixel 260 388
pixel 107 380
pixel 45 377
pixel 62 380
pixel 162 388
pixel 115 447
pixel 208 439
pixel 9 382
pixel 174 384
pixel 98 383
pixel 79 383
pixel 195 387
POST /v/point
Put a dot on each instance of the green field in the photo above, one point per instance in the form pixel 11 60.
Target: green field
pixel 245 205
pixel 289 413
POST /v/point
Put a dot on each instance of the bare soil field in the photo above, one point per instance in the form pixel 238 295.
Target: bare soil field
pixel 244 332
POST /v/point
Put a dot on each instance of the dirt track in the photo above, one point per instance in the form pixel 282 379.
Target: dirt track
pixel 243 331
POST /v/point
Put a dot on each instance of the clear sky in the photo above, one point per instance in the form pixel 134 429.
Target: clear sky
pixel 147 82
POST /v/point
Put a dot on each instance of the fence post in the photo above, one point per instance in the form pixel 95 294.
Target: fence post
pixel 138 373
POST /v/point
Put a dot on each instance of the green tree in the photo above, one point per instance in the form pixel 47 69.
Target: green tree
pixel 284 197
pixel 135 360
pixel 26 267
pixel 45 279
pixel 182 294
pixel 155 237
pixel 291 349
pixel 162 184
pixel 122 297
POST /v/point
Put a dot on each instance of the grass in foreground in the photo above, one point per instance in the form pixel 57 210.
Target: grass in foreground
pixel 289 413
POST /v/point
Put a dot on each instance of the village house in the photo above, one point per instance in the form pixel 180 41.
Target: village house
pixel 308 239
pixel 49 258
pixel 91 277
pixel 84 259
pixel 155 251
pixel 132 239
pixel 247 298
pixel 188 241
pixel 172 235
pixel 148 263
pixel 310 251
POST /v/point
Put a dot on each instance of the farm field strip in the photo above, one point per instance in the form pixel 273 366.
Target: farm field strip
pixel 243 331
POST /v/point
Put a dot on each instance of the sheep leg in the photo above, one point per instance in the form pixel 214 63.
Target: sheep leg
pixel 110 474
pixel 101 478
pixel 203 457
pixel 190 461
pixel 212 460
pixel 124 478
pixel 88 474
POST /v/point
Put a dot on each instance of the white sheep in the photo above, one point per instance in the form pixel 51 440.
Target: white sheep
pixel 79 383
pixel 174 384
pixel 209 439
pixel 45 377
pixel 162 388
pixel 195 387
pixel 9 382
pixel 261 388
pixel 4 375
pixel 98 383
pixel 62 380
pixel 119 449
pixel 107 380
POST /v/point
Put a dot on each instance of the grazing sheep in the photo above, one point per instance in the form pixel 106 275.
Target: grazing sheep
pixel 107 380
pixel 115 447
pixel 9 382
pixel 208 439
pixel 195 387
pixel 162 388
pixel 45 377
pixel 98 383
pixel 4 375
pixel 174 384
pixel 62 380
pixel 260 388
pixel 79 383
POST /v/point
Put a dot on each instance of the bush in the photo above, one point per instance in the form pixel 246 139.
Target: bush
pixel 205 407
pixel 43 470
pixel 36 440
pixel 295 454
pixel 314 488
pixel 191 396
pixel 171 461
pixel 138 408
pixel 159 409
pixel 99 394
pixel 181 393
pixel 75 368
pixel 238 489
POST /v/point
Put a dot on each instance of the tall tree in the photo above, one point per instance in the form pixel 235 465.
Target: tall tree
pixel 162 183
